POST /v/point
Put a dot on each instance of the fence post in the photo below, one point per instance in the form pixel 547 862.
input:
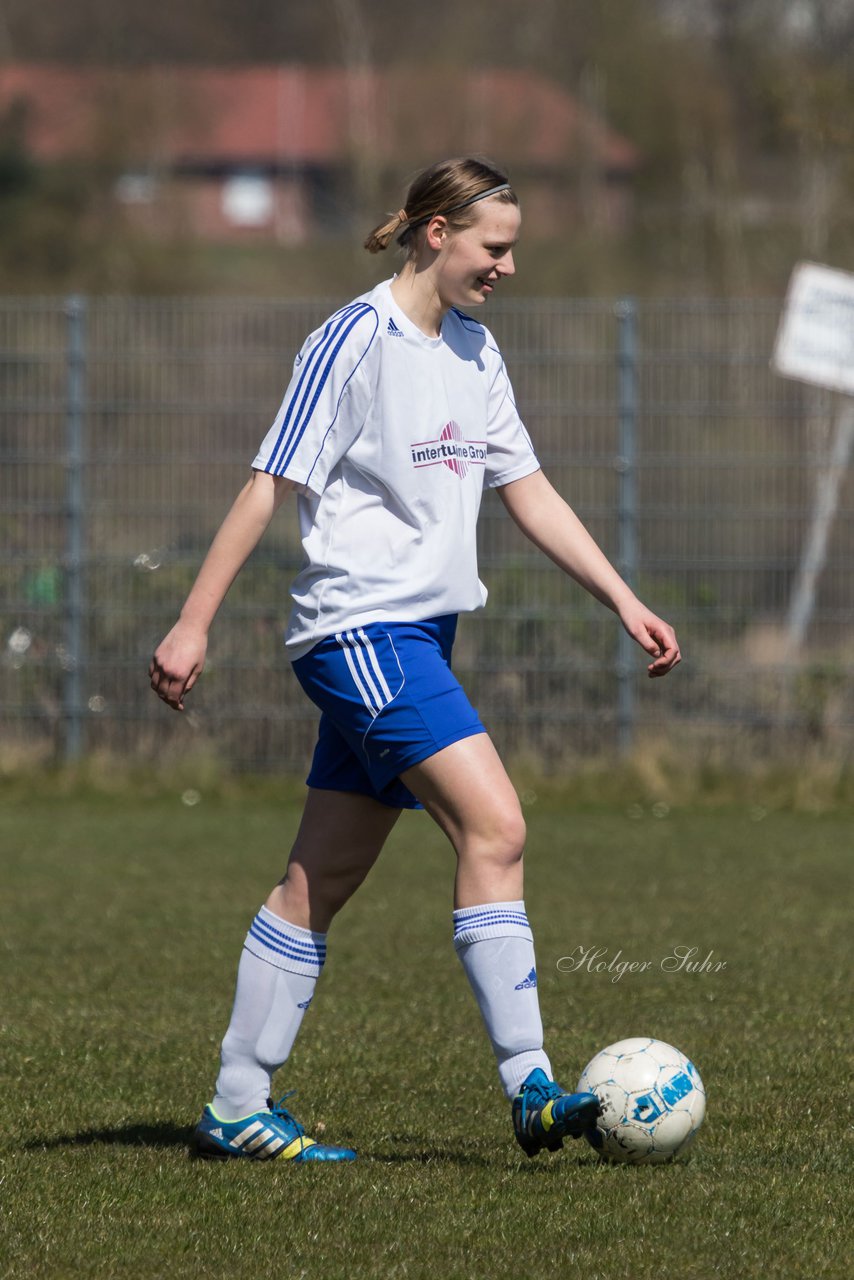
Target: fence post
pixel 627 508
pixel 74 576
pixel 814 553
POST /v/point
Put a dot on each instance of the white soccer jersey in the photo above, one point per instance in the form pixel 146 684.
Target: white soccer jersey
pixel 390 436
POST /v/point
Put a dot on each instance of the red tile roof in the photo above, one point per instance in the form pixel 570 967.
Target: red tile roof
pixel 297 115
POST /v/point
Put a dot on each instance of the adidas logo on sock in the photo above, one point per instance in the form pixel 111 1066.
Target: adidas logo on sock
pixel 530 981
pixel 393 331
pixel 305 1003
pixel 217 1133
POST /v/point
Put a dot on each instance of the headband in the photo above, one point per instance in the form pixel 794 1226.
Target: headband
pixel 455 208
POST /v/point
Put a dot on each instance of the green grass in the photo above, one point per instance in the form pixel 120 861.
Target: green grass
pixel 122 919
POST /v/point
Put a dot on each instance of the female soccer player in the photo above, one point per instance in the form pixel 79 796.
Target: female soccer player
pixel 398 412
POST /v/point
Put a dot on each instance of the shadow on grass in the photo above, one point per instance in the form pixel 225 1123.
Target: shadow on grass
pixel 167 1135
pixel 129 1135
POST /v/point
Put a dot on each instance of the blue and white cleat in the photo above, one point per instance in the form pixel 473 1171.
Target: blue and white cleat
pixel 273 1134
pixel 544 1114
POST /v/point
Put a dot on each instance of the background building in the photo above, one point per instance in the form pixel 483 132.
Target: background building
pixel 293 154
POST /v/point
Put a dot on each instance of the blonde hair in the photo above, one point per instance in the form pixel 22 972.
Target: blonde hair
pixel 448 188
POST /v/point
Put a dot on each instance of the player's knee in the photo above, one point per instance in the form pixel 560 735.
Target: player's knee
pixel 513 834
pixel 502 841
pixel 512 825
pixel 336 889
pixel 312 900
pixel 331 887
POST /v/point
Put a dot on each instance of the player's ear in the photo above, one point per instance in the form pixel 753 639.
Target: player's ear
pixel 437 232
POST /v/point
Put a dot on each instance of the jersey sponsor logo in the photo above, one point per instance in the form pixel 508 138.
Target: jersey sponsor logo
pixel 451 450
pixel 393 331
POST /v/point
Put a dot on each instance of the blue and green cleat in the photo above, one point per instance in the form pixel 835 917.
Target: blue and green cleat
pixel 273 1134
pixel 544 1114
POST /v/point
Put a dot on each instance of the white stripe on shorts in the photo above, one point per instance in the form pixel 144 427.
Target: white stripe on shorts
pixel 368 679
pixel 376 666
pixel 357 679
pixel 358 649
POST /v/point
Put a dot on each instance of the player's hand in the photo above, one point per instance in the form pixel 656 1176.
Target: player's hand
pixel 655 636
pixel 177 664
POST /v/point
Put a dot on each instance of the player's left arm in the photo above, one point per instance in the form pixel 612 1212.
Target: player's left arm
pixel 552 525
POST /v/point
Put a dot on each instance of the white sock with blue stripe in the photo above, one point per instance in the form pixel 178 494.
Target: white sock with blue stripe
pixel 276 978
pixel 496 947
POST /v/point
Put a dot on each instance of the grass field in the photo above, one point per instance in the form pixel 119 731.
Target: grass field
pixel 122 919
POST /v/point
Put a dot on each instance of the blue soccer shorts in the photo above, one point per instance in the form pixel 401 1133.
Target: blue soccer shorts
pixel 388 700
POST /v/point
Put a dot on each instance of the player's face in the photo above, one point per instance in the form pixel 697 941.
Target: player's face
pixel 471 263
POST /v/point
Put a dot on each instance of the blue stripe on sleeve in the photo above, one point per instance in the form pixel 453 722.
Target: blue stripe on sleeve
pixel 343 389
pixel 315 373
pixel 305 415
pixel 311 359
pixel 308 364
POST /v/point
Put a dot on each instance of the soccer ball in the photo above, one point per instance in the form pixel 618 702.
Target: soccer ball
pixel 653 1101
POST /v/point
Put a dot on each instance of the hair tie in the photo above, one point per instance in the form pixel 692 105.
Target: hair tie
pixel 402 215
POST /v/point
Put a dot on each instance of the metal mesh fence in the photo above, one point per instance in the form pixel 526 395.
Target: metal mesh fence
pixel 127 426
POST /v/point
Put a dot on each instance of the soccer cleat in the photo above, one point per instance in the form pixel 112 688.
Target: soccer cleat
pixel 544 1114
pixel 264 1135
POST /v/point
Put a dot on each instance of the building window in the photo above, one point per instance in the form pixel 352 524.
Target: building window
pixel 247 200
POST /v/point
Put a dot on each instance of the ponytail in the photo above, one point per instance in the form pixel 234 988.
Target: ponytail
pixel 381 236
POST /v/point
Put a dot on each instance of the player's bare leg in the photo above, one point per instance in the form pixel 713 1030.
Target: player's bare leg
pixel 340 838
pixel 466 790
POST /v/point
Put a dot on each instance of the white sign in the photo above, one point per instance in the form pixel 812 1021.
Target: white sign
pixel 815 341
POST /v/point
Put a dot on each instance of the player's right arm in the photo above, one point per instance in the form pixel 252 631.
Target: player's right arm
pixel 180 657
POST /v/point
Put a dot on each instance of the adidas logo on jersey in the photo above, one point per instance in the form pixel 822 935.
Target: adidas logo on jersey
pixel 393 331
pixel 530 981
